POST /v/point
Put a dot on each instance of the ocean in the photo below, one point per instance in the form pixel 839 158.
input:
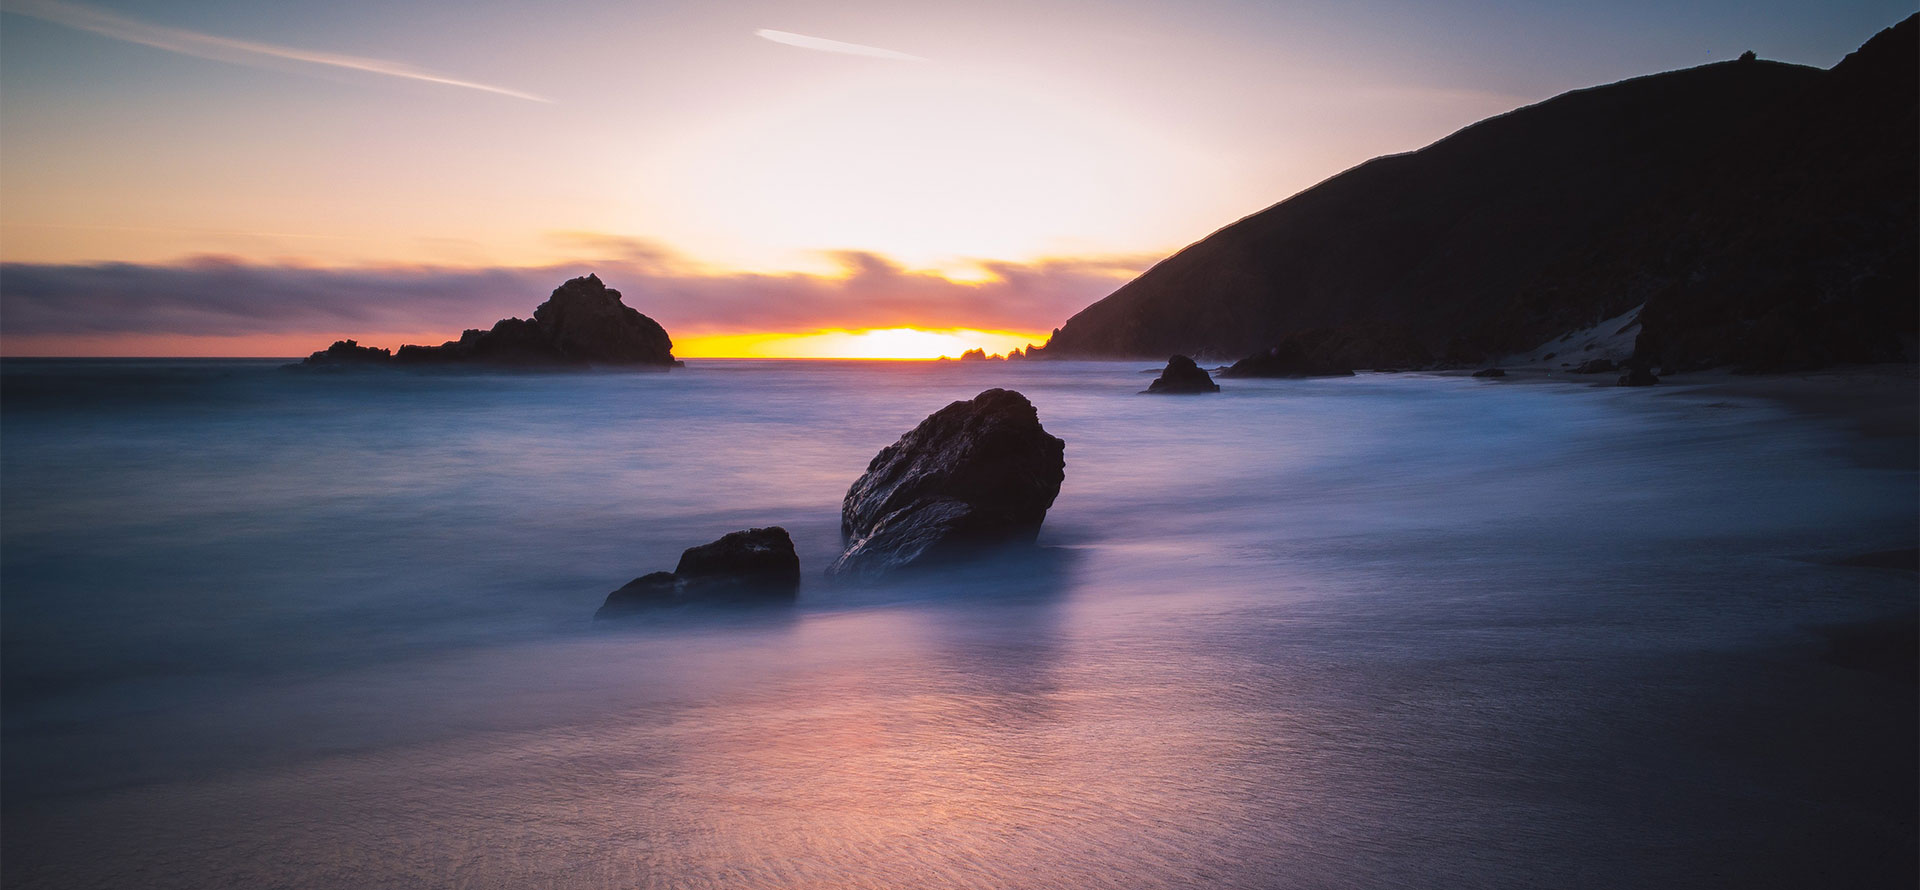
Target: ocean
pixel 261 628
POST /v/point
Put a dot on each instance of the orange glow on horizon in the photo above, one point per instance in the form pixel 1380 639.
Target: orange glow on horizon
pixel 861 343
pixel 865 343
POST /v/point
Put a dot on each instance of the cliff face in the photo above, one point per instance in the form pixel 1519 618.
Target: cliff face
pixel 1680 190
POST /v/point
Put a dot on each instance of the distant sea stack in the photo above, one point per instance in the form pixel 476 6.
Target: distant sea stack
pixel 582 324
pixel 1764 213
pixel 1182 376
pixel 973 475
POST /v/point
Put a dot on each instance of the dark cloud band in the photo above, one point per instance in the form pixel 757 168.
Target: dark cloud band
pixel 227 297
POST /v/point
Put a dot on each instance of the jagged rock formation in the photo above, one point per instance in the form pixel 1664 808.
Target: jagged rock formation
pixel 349 354
pixel 582 324
pixel 974 474
pixel 756 563
pixel 1765 214
pixel 1182 376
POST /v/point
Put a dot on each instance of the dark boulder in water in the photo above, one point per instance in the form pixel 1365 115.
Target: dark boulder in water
pixel 758 563
pixel 757 558
pixel 1322 353
pixel 582 324
pixel 1638 376
pixel 651 589
pixel 972 475
pixel 1183 376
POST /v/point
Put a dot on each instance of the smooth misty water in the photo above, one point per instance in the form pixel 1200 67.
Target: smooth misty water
pixel 268 629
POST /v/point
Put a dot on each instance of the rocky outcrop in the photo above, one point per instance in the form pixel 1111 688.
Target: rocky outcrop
pixel 582 324
pixel 1490 372
pixel 757 563
pixel 1182 376
pixel 1597 366
pixel 974 474
pixel 348 354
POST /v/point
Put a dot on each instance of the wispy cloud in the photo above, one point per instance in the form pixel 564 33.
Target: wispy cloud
pixel 225 49
pixel 822 44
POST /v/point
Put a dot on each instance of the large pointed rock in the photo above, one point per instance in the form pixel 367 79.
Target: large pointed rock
pixel 756 564
pixel 1182 376
pixel 586 321
pixel 972 475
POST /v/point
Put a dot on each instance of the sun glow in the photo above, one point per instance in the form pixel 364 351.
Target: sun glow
pixel 870 343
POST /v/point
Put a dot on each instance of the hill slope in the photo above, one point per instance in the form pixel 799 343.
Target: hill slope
pixel 1686 191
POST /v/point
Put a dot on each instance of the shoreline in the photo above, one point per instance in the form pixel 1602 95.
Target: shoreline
pixel 1878 405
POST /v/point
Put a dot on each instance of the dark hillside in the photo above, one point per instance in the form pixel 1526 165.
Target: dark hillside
pixel 1554 216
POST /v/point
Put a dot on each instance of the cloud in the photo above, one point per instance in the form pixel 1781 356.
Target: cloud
pixel 226 49
pixel 821 44
pixel 214 296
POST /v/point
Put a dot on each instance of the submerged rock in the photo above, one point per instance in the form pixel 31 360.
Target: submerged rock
pixel 755 563
pixel 1325 353
pixel 1183 376
pixel 974 474
pixel 1638 376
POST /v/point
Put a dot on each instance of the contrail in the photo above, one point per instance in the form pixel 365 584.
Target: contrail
pixel 226 49
pixel 824 45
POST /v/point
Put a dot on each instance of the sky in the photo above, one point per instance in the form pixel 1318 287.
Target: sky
pixel 215 177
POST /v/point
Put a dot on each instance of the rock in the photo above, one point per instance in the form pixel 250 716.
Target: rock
pixel 1597 366
pixel 586 321
pixel 652 589
pixel 972 475
pixel 583 323
pixel 347 354
pixel 1333 352
pixel 1183 376
pixel 974 355
pixel 757 557
pixel 1638 376
pixel 758 563
pixel 1490 372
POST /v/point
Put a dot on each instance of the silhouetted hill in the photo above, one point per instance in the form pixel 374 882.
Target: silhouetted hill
pixel 1751 205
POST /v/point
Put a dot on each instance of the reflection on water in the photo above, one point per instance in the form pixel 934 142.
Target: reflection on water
pixel 335 631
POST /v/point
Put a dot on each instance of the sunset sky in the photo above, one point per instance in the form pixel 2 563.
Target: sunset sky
pixel 247 178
